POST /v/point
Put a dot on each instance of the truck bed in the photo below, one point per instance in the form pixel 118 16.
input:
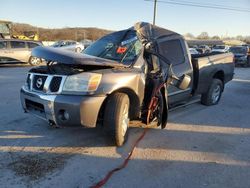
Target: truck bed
pixel 208 66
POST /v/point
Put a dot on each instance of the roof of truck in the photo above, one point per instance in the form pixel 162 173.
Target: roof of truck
pixel 153 32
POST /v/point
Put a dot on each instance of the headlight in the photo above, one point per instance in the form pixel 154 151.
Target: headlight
pixel 85 82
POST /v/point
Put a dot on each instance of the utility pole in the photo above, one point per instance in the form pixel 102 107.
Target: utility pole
pixel 154 11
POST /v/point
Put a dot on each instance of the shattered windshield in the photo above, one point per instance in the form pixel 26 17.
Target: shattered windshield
pixel 122 46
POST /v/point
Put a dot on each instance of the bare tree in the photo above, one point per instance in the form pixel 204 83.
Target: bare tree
pixel 189 35
pixel 203 35
pixel 216 37
pixel 61 34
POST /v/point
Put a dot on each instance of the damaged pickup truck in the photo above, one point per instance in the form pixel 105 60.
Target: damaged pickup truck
pixel 133 74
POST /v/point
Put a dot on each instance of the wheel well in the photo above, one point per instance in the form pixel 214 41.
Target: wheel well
pixel 134 109
pixel 220 75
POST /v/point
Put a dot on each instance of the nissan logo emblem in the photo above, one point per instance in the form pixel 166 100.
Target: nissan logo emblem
pixel 39 82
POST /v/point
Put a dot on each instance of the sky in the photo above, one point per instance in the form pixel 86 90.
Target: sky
pixel 121 14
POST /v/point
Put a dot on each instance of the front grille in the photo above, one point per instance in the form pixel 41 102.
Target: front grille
pixel 44 83
pixel 28 81
pixel 38 82
pixel 55 83
pixel 31 105
pixel 35 108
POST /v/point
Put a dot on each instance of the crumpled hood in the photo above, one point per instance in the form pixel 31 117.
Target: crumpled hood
pixel 66 57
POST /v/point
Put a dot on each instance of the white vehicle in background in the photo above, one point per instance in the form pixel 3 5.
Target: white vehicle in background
pixel 18 51
pixel 220 48
pixel 69 45
pixel 193 51
pixel 86 43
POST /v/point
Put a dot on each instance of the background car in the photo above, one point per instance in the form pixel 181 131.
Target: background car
pixel 241 56
pixel 203 49
pixel 86 43
pixel 220 48
pixel 15 51
pixel 193 51
pixel 69 45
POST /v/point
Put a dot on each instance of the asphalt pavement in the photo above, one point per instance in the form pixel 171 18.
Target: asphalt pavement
pixel 201 146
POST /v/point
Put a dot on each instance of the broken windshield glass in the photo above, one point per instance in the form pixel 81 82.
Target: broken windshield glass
pixel 122 46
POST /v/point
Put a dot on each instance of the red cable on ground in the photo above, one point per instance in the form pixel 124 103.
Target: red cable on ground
pixel 125 162
pixel 123 165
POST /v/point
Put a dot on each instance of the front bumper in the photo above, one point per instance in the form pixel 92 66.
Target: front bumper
pixel 81 110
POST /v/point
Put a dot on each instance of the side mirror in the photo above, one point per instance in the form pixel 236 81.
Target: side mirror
pixel 184 82
pixel 149 47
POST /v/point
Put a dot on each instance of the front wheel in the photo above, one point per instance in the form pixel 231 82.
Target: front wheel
pixel 213 94
pixel 34 61
pixel 78 50
pixel 116 117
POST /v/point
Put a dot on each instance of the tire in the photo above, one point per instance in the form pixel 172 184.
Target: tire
pixel 116 118
pixel 34 61
pixel 213 94
pixel 78 50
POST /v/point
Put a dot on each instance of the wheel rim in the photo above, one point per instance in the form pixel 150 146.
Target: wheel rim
pixel 125 120
pixel 35 61
pixel 216 94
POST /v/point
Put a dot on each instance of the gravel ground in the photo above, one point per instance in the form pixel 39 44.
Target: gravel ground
pixel 201 146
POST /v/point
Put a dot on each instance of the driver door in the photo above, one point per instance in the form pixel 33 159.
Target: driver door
pixel 175 50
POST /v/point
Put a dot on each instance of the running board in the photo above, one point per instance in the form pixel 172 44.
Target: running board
pixel 184 105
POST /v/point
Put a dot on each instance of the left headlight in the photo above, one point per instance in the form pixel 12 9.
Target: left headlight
pixel 85 82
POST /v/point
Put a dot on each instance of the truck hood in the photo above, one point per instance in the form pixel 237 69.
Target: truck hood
pixel 66 57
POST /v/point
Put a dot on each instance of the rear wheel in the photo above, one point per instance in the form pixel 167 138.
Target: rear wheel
pixel 34 61
pixel 213 94
pixel 116 117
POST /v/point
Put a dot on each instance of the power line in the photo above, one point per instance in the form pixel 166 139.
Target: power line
pixel 212 4
pixel 200 5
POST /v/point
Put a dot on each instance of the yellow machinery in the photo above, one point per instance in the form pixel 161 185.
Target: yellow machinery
pixel 5 29
pixel 6 32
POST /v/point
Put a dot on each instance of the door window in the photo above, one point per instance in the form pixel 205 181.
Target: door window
pixel 32 45
pixel 17 44
pixel 173 51
pixel 3 44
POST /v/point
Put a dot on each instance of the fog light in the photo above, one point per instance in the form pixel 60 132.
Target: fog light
pixel 66 115
pixel 63 115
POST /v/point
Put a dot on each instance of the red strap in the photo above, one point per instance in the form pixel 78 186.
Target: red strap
pixel 123 165
pixel 125 162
